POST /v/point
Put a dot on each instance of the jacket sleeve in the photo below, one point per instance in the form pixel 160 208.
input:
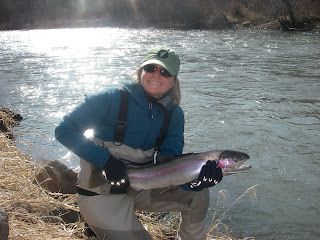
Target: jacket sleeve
pixel 174 141
pixel 85 116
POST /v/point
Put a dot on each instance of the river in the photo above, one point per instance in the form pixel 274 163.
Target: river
pixel 249 90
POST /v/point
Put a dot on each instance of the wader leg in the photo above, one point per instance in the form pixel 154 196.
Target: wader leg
pixel 111 217
pixel 192 224
pixel 192 205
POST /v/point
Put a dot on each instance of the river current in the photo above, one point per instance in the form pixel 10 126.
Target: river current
pixel 254 91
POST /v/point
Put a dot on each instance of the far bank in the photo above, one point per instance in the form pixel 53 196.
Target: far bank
pixel 174 14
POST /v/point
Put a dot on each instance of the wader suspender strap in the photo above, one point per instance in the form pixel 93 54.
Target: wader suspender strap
pixel 164 129
pixel 121 122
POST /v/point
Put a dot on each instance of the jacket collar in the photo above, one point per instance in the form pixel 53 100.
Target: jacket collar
pixel 142 98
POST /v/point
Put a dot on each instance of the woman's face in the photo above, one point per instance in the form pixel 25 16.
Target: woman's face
pixel 155 84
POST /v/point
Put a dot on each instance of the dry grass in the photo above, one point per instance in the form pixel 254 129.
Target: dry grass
pixel 219 230
pixel 28 205
pixel 161 226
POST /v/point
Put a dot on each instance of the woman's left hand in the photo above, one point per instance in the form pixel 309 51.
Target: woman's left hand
pixel 209 176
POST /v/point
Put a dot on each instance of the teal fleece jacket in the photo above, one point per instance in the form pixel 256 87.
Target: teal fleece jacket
pixel 100 112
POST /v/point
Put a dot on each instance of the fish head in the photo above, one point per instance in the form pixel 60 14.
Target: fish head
pixel 232 161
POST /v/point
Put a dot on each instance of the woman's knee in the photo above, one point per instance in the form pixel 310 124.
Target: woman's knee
pixel 199 206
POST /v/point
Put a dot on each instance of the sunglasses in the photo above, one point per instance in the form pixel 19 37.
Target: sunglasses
pixel 151 68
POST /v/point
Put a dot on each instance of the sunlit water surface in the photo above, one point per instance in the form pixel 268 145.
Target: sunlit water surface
pixel 254 91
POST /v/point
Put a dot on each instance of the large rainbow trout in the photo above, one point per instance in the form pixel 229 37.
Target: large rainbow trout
pixel 185 168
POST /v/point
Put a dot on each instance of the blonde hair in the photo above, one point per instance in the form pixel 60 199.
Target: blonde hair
pixel 175 91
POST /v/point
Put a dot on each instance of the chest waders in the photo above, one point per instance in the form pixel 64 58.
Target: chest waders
pixel 93 178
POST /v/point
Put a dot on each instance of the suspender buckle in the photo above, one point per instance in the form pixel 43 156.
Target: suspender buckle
pixel 155 155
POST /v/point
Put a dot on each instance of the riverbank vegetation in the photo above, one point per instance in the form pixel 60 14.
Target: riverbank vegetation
pixel 35 213
pixel 29 207
pixel 188 14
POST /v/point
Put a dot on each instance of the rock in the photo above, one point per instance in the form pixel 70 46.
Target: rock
pixel 4 225
pixel 57 178
pixel 15 116
pixel 8 119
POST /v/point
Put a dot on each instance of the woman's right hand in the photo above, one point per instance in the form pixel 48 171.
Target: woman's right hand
pixel 116 173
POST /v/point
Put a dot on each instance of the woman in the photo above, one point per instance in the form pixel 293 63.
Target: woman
pixel 142 121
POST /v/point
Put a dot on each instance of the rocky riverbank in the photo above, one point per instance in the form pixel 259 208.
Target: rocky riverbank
pixel 28 211
pixel 31 212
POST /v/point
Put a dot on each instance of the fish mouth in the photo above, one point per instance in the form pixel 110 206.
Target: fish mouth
pixel 234 170
pixel 236 160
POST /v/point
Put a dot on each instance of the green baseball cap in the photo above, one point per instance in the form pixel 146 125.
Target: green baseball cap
pixel 164 57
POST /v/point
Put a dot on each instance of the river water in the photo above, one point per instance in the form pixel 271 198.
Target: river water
pixel 254 91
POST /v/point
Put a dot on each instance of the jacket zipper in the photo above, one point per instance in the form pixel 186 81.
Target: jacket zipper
pixel 150 110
